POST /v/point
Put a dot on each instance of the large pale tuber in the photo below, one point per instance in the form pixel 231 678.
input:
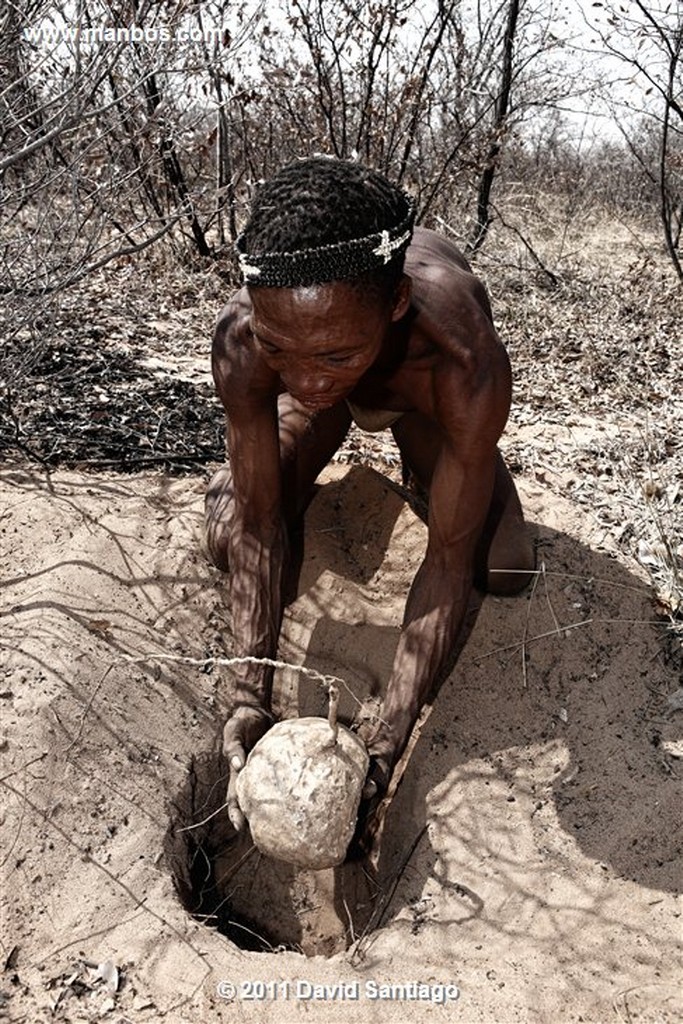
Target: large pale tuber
pixel 300 790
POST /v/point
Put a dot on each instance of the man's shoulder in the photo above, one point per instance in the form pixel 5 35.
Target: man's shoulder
pixel 454 319
pixel 233 354
pixel 430 248
pixel 232 323
pixel 442 277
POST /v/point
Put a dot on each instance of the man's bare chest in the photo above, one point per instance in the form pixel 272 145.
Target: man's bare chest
pixel 403 388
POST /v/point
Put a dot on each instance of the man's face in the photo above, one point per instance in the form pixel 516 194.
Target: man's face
pixel 320 340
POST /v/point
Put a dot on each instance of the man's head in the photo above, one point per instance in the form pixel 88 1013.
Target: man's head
pixel 322 220
pixel 323 255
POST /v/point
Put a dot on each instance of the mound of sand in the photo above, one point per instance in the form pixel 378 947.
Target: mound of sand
pixel 530 857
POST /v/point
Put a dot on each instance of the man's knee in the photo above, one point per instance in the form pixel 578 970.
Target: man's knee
pixel 511 556
pixel 217 517
pixel 510 575
pixel 215 548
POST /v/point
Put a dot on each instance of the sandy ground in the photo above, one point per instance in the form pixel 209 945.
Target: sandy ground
pixel 543 792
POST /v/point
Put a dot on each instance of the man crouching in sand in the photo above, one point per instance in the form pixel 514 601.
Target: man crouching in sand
pixel 348 314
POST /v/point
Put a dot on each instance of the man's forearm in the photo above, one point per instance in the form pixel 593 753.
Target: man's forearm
pixel 256 570
pixel 434 615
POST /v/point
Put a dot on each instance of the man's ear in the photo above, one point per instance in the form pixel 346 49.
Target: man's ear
pixel 402 296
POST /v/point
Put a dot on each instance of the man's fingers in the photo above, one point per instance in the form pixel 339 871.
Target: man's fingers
pixel 237 819
pixel 236 758
pixel 378 779
pixel 233 748
pixel 241 731
pixel 235 754
pixel 369 790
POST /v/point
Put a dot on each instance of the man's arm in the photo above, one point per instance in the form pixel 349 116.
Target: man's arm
pixel 256 550
pixel 257 538
pixel 459 501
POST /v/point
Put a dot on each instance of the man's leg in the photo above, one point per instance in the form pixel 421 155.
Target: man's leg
pixel 307 443
pixel 506 554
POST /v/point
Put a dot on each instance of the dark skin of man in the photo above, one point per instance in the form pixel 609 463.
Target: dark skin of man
pixel 284 360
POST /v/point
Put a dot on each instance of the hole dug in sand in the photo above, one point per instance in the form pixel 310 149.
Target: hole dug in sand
pixel 260 904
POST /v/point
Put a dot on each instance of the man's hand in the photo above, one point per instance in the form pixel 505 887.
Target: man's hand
pixel 377 779
pixel 370 817
pixel 242 731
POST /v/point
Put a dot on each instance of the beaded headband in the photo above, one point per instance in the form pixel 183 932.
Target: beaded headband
pixel 339 261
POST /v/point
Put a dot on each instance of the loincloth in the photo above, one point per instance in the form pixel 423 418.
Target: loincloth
pixel 373 420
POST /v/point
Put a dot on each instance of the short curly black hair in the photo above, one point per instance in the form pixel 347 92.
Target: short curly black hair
pixel 322 201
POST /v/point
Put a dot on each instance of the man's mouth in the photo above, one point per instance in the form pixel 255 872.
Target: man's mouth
pixel 316 403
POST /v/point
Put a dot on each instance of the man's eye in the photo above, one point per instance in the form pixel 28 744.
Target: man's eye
pixel 337 360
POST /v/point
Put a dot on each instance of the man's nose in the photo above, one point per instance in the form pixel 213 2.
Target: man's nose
pixel 311 382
